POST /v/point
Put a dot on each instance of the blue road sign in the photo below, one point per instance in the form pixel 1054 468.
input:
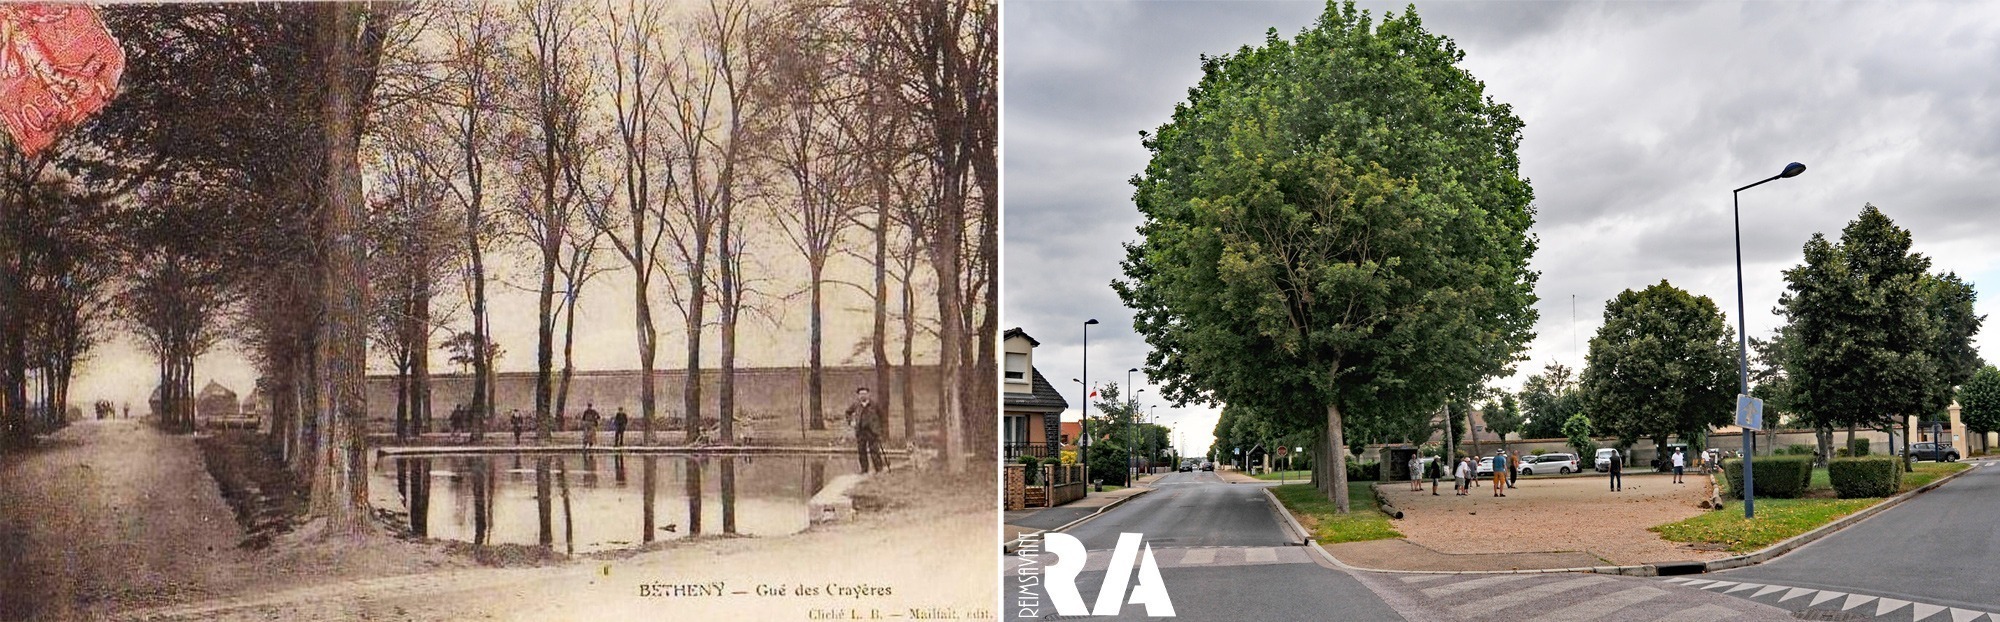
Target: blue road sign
pixel 1749 412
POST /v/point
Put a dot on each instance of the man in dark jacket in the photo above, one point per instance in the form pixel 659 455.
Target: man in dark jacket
pixel 1617 467
pixel 618 422
pixel 866 416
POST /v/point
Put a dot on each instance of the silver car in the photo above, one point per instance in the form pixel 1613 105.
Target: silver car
pixel 1562 464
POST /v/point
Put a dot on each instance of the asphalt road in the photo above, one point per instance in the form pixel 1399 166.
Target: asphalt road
pixel 1222 555
pixel 1938 548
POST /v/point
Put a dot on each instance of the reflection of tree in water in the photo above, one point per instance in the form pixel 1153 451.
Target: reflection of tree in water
pixel 546 535
pixel 618 469
pixel 650 471
pixel 728 495
pixel 694 496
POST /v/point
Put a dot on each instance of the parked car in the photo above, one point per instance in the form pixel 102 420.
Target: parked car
pixel 1485 468
pixel 1941 452
pixel 1186 467
pixel 1207 466
pixel 1603 461
pixel 1545 464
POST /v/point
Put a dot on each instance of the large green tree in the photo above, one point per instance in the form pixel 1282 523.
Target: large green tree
pixel 1503 417
pixel 1662 365
pixel 1547 400
pixel 1335 228
pixel 1873 335
pixel 1979 401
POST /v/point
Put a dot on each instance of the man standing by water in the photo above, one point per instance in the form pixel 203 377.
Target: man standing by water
pixel 618 422
pixel 514 419
pixel 589 424
pixel 866 416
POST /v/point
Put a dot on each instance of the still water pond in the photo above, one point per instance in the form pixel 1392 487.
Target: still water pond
pixel 585 503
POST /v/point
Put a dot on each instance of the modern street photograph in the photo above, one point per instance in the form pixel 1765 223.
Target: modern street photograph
pixel 507 310
pixel 1502 310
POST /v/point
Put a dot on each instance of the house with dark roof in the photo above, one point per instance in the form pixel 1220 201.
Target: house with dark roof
pixel 1031 421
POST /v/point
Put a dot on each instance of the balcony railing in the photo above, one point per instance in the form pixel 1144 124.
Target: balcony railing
pixel 1014 450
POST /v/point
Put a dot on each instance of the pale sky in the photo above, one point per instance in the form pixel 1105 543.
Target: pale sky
pixel 1641 117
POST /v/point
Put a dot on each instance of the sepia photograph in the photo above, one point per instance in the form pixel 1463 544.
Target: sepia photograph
pixel 505 310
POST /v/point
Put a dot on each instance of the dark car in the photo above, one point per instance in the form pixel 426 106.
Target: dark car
pixel 1941 452
pixel 1207 466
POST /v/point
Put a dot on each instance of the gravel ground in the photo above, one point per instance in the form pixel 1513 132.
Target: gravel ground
pixel 1556 514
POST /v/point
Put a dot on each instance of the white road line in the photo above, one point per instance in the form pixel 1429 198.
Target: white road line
pixel 1701 582
pixel 1767 589
pixel 1743 586
pixel 1887 605
pixel 1921 611
pixel 1263 554
pixel 1474 584
pixel 1825 596
pixel 1854 600
pixel 1198 556
pixel 1525 596
pixel 1796 592
pixel 1719 584
pixel 1961 615
pixel 1604 605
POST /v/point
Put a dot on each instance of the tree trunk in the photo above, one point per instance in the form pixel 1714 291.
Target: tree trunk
pixel 879 348
pixel 1337 443
pixel 815 379
pixel 346 277
pixel 545 325
pixel 649 340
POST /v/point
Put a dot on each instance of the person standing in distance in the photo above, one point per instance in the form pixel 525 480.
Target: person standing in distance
pixel 590 417
pixel 618 423
pixel 1617 468
pixel 866 416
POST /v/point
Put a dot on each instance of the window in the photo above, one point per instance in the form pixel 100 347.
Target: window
pixel 1017 367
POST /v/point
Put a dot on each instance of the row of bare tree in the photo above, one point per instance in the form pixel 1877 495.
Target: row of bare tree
pixel 221 197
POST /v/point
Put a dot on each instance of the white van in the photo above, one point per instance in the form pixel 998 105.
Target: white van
pixel 1603 461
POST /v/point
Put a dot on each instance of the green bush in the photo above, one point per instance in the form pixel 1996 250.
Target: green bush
pixel 1860 478
pixel 1031 471
pixel 1799 450
pixel 1108 464
pixel 1858 447
pixel 1364 471
pixel 1538 452
pixel 1778 477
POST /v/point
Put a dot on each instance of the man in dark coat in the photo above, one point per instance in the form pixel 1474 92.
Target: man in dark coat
pixel 867 418
pixel 618 422
pixel 589 425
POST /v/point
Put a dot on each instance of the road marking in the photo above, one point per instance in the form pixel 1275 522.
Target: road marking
pixel 1887 605
pixel 1474 584
pixel 1420 578
pixel 1855 600
pixel 1718 584
pixel 1704 613
pixel 1824 596
pixel 1605 605
pixel 1198 556
pixel 1265 554
pixel 1522 597
pixel 1701 582
pixel 1961 615
pixel 1743 586
pixel 1797 591
pixel 1921 611
pixel 1769 589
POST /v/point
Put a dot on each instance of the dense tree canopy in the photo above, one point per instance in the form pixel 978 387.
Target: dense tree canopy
pixel 1547 400
pixel 1334 223
pixel 1979 401
pixel 1663 364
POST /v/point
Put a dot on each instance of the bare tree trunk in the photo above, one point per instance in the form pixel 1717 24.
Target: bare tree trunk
pixel 878 347
pixel 347 280
pixel 816 378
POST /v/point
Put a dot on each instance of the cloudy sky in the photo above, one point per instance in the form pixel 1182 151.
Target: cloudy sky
pixel 1641 117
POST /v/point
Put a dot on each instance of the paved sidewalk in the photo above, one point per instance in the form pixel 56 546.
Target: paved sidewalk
pixel 1018 522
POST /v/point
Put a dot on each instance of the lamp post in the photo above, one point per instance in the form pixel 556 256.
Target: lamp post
pixel 1132 409
pixel 1743 337
pixel 1084 457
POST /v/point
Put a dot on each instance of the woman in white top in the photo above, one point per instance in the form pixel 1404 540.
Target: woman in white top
pixel 1416 474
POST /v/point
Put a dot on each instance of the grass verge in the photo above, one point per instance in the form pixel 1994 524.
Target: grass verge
pixel 1317 514
pixel 1287 475
pixel 1778 519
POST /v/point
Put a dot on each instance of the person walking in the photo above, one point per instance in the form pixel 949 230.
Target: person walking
pixel 618 422
pixel 514 419
pixel 1434 470
pixel 1617 468
pixel 1514 470
pixel 589 424
pixel 457 421
pixel 1499 473
pixel 1680 465
pixel 1460 476
pixel 866 417
pixel 1416 477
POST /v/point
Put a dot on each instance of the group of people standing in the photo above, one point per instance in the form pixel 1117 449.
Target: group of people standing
pixel 1464 473
pixel 462 418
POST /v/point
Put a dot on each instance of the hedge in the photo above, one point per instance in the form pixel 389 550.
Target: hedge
pixel 1032 469
pixel 1861 478
pixel 1858 448
pixel 1364 471
pixel 1778 477
pixel 1800 450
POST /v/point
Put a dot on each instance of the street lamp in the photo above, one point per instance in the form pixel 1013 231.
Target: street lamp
pixel 1131 408
pixel 1743 336
pixel 1084 425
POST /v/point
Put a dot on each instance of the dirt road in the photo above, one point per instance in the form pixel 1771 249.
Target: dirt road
pixel 108 512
